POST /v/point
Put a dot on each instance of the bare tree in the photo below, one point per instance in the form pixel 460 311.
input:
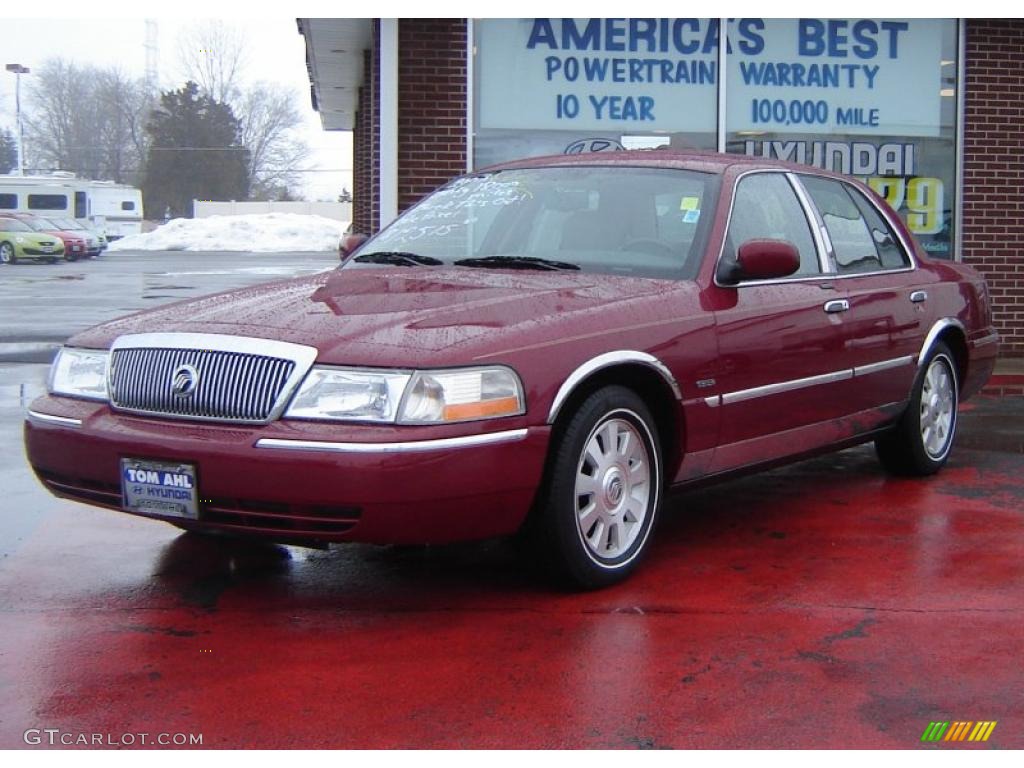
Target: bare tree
pixel 55 126
pixel 270 123
pixel 86 120
pixel 213 55
pixel 126 104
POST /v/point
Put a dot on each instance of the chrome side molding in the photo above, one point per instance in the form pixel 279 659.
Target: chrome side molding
pixel 785 386
pixel 885 365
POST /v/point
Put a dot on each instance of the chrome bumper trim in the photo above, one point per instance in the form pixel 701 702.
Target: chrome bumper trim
pixel 992 338
pixel 60 421
pixel 445 443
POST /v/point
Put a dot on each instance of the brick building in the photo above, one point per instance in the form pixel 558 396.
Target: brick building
pixel 928 111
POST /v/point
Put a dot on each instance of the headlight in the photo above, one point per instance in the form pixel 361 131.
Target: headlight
pixel 408 397
pixel 80 373
pixel 350 395
pixel 462 395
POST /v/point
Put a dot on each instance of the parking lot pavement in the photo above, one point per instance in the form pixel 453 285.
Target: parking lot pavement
pixel 820 605
pixel 43 304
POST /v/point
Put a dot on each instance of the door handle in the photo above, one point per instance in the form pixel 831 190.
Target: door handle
pixel 918 296
pixel 836 305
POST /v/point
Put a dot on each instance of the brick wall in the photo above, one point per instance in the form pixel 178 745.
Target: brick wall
pixel 431 116
pixel 432 111
pixel 993 197
pixel 363 163
pixel 366 144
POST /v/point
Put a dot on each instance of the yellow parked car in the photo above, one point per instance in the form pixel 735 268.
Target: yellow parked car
pixel 19 241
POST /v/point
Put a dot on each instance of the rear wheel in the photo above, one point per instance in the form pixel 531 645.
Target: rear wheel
pixel 921 441
pixel 7 254
pixel 603 491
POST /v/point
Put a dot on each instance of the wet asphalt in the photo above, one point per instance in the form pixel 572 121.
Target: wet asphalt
pixel 823 604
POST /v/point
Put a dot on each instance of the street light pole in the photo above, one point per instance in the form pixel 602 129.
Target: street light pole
pixel 18 71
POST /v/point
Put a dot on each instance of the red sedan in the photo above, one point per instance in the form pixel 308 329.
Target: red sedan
pixel 546 346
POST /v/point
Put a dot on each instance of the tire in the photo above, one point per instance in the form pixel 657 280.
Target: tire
pixel 7 254
pixel 69 257
pixel 51 261
pixel 600 501
pixel 921 441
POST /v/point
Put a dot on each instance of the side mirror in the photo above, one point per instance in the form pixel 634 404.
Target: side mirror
pixel 760 260
pixel 350 244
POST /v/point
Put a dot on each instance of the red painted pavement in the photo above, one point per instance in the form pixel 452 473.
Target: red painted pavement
pixel 822 605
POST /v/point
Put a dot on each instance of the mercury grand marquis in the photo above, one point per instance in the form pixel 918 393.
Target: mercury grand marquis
pixel 543 347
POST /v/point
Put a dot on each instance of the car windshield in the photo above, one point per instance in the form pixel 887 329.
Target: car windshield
pixel 70 224
pixel 13 225
pixel 647 222
pixel 37 225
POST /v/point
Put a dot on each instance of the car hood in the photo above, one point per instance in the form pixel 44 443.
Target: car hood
pixel 35 238
pixel 411 316
pixel 65 234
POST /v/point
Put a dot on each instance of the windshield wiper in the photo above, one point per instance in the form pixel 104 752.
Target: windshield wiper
pixel 398 258
pixel 515 262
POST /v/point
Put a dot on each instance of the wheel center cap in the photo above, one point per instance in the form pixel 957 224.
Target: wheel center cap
pixel 614 487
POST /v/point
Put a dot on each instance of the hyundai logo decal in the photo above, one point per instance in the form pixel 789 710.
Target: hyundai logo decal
pixel 184 380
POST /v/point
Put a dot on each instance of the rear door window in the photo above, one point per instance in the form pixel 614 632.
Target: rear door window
pixel 861 239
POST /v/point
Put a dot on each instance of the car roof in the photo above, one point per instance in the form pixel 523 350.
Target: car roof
pixel 690 159
pixel 20 215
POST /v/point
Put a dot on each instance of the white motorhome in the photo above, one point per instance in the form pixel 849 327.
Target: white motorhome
pixel 113 209
pixel 118 207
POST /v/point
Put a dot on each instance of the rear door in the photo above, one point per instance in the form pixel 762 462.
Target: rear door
pixel 886 314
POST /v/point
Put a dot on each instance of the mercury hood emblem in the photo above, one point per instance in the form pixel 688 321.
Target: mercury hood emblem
pixel 184 381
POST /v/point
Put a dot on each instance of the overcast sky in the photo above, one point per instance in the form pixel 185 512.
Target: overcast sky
pixel 276 53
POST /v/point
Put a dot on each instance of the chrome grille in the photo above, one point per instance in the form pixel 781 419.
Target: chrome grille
pixel 231 386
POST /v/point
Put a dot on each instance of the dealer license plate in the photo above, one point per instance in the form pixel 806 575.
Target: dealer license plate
pixel 159 488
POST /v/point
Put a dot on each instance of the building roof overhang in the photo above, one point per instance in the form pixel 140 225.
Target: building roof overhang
pixel 334 61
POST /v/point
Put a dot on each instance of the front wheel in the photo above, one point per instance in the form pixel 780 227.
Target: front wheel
pixel 7 254
pixel 603 491
pixel 921 441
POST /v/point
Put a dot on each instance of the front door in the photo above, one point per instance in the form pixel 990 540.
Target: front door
pixel 780 341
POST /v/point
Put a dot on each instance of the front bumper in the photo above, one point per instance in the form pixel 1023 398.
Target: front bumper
pixel 37 252
pixel 305 481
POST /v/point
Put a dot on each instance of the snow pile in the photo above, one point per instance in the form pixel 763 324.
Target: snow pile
pixel 263 232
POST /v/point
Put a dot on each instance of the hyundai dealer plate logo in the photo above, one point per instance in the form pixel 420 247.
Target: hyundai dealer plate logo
pixel 184 381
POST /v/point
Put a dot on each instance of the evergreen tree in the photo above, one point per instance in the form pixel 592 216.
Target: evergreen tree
pixel 8 151
pixel 196 153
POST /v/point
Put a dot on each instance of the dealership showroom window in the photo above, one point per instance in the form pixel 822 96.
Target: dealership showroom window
pixel 875 99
